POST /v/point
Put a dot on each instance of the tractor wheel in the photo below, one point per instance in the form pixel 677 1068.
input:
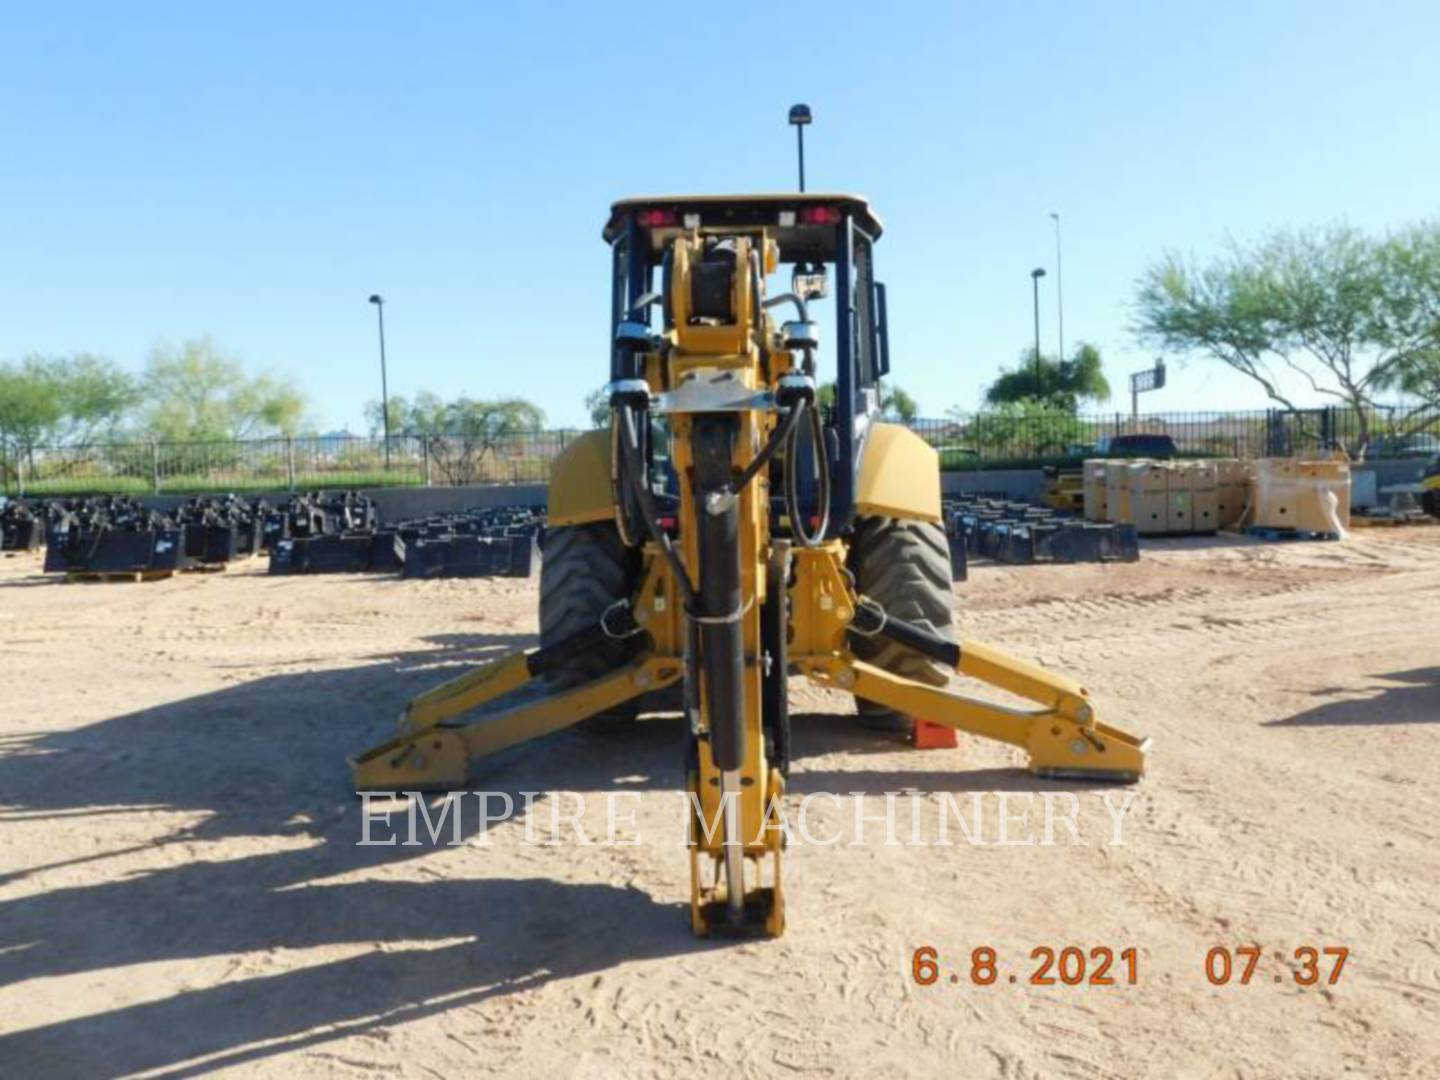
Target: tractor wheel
pixel 583 570
pixel 1430 502
pixel 905 567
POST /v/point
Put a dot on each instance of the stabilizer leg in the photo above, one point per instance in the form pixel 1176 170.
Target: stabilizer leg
pixel 1064 740
pixel 438 755
pixel 483 683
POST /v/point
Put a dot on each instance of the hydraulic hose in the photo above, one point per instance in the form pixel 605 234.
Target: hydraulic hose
pixel 634 474
pixel 758 310
pixel 619 491
pixel 772 446
pixel 793 510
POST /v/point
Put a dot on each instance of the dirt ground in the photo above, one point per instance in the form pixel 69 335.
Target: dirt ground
pixel 181 888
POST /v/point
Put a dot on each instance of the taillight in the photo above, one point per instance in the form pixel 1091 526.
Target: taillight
pixel 820 215
pixel 657 219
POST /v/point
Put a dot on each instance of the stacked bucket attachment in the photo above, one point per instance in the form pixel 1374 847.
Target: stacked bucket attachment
pixel 22 527
pixel 483 542
pixel 1020 533
pixel 219 530
pixel 113 537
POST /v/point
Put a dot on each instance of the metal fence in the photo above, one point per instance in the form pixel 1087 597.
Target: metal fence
pixel 283 464
pixel 1029 438
pixel 979 440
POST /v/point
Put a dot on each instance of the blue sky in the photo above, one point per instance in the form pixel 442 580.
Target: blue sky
pixel 254 171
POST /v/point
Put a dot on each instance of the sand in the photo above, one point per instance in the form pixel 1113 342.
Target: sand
pixel 181 889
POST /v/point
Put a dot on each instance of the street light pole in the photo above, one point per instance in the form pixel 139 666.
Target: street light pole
pixel 1035 276
pixel 379 302
pixel 800 117
pixel 1059 292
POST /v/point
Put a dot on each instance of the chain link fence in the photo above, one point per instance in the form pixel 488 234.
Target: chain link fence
pixel 999 439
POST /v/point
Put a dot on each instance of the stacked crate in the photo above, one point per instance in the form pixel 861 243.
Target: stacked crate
pixel 1310 497
pixel 1164 498
pixel 1233 479
pixel 1094 490
pixel 1204 496
pixel 1117 491
pixel 1150 497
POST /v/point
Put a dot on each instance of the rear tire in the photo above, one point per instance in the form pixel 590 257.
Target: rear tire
pixel 905 567
pixel 583 570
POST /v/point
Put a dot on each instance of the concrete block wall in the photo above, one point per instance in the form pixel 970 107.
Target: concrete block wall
pixel 1026 484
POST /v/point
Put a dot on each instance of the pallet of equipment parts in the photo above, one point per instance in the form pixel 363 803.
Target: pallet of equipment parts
pixel 335 553
pixel 211 543
pixel 1082 541
pixel 959 561
pixel 1014 543
pixel 116 551
pixel 387 552
pixel 21 534
pixel 472 556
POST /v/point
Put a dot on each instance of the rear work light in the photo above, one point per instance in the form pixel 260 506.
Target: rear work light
pixel 658 219
pixel 820 215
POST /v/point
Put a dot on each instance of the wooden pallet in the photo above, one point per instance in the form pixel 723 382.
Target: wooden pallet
pixel 1363 522
pixel 92 577
pixel 1277 535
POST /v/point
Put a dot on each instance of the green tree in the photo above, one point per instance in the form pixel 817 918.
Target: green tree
pixel 29 406
pixel 597 404
pixel 60 401
pixel 825 395
pixel 197 391
pixel 895 402
pixel 1021 429
pixel 1345 314
pixel 1409 263
pixel 1061 384
pixel 462 435
pixel 400 413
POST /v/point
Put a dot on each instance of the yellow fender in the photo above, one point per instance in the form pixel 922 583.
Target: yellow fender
pixel 580 481
pixel 899 475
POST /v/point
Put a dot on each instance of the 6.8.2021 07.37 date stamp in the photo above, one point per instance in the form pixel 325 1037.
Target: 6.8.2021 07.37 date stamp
pixel 1103 965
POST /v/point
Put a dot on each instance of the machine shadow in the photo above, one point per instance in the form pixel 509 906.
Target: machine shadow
pixel 266 759
pixel 1415 701
pixel 519 934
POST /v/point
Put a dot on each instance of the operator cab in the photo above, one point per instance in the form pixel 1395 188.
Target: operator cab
pixel 827 240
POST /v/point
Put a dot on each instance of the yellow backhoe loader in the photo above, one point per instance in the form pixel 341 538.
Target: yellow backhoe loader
pixel 723 534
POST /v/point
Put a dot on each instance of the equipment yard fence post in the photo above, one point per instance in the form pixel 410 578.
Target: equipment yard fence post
pixel 290 462
pixel 154 467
